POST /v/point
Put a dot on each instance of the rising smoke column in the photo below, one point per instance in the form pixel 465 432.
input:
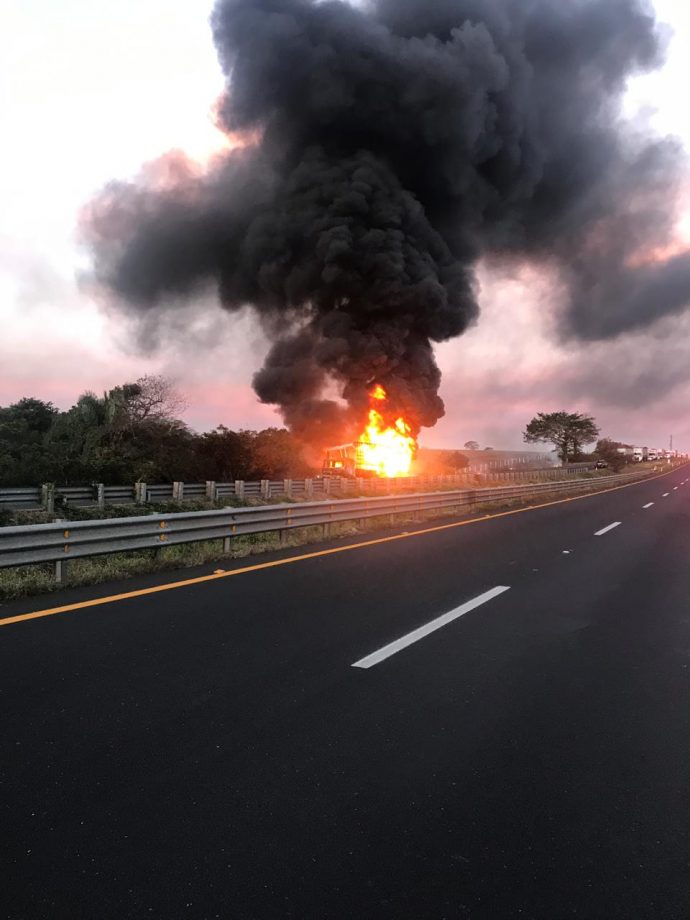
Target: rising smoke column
pixel 390 145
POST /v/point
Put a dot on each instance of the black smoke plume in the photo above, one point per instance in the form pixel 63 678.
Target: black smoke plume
pixel 387 147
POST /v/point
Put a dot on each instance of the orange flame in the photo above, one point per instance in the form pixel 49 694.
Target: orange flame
pixel 387 450
pixel 378 392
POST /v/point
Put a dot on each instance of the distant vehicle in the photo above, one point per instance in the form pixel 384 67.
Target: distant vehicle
pixel 653 454
pixel 639 454
pixel 602 465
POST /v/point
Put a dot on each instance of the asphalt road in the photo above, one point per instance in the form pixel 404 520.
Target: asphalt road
pixel 211 751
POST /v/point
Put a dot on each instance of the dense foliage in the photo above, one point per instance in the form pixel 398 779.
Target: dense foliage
pixel 132 433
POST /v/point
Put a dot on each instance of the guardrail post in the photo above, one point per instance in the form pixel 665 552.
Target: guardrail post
pixel 265 488
pixel 48 497
pixel 210 490
pixel 416 513
pixel 140 493
pixel 309 487
pixel 283 534
pixel 287 487
pixel 327 485
pixel 239 488
pixel 178 492
pixel 60 564
pixel 100 494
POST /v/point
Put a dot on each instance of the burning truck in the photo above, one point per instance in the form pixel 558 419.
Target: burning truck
pixel 385 447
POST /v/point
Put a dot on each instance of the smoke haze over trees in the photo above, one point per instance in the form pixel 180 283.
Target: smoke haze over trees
pixel 385 149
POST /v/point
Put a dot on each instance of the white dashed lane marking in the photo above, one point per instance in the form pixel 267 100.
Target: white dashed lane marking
pixel 600 533
pixel 381 654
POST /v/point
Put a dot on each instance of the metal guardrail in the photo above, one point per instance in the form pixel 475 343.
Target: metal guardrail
pixel 77 496
pixel 29 497
pixel 162 493
pixel 58 542
pixel 119 495
pixel 98 494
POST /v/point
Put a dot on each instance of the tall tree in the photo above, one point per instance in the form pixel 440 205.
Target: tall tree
pixel 567 431
pixel 153 397
pixel 128 433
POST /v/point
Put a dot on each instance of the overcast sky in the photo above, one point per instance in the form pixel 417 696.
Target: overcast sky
pixel 79 84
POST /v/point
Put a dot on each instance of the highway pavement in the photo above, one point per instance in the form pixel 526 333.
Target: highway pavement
pixel 481 721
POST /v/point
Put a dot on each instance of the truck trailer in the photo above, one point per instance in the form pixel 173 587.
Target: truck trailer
pixel 346 460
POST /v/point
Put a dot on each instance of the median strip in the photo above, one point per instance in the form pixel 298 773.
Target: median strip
pixel 399 644
pixel 600 533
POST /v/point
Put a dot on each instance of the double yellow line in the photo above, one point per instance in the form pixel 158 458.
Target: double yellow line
pixel 289 560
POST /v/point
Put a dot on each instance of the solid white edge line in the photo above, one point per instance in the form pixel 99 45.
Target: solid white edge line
pixel 399 644
pixel 600 533
pixel 648 506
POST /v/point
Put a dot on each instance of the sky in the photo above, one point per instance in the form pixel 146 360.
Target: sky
pixel 90 91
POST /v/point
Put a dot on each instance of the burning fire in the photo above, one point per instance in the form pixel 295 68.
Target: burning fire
pixel 386 449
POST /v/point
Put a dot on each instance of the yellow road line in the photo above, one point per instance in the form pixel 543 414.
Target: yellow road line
pixel 142 592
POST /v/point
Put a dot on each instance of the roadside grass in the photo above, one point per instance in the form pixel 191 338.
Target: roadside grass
pixel 25 581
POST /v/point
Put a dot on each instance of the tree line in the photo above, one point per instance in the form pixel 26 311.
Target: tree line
pixel 132 433
pixel 569 432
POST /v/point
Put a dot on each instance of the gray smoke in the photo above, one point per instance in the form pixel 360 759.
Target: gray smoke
pixel 395 143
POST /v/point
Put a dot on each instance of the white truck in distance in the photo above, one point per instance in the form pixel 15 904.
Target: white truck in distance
pixel 641 454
